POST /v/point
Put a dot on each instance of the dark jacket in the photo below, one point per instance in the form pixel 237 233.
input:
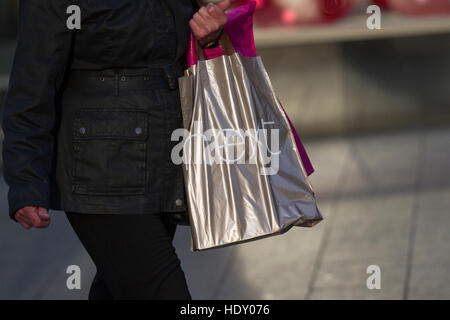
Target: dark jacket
pixel 79 134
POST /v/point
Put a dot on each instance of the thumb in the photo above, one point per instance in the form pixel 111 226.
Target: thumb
pixel 224 4
pixel 43 213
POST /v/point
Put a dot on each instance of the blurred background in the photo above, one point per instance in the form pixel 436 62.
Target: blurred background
pixel 373 109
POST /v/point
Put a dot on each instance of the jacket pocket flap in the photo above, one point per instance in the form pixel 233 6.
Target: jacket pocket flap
pixel 108 123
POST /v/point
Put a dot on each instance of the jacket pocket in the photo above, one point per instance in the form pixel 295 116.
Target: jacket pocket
pixel 110 151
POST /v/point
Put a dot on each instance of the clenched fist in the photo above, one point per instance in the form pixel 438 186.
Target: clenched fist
pixel 207 23
pixel 29 217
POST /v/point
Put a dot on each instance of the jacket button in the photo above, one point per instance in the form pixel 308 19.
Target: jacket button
pixel 82 130
pixel 179 202
pixel 123 78
pixel 138 131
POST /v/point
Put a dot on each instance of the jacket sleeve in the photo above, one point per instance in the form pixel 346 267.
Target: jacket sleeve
pixel 196 4
pixel 40 61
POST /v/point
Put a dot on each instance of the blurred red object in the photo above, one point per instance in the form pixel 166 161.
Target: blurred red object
pixel 292 12
pixel 266 13
pixel 333 9
pixel 419 7
pixel 381 3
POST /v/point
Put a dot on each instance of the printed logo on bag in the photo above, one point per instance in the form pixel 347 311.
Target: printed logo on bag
pixel 229 146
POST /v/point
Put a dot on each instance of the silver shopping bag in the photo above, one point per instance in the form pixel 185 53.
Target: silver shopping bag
pixel 243 174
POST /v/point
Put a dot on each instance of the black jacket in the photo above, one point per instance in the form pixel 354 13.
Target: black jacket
pixel 119 163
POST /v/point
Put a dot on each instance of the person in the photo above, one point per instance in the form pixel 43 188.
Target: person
pixel 87 123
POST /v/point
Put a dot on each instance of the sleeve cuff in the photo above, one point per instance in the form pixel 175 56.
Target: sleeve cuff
pixel 19 197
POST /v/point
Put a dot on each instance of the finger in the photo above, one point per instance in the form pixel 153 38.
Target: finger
pixel 217 13
pixel 224 4
pixel 39 222
pixel 32 214
pixel 34 217
pixel 201 21
pixel 204 13
pixel 196 29
pixel 43 224
pixel 43 214
pixel 20 216
pixel 24 224
pixel 208 22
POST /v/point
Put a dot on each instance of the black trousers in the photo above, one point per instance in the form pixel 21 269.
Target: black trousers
pixel 134 256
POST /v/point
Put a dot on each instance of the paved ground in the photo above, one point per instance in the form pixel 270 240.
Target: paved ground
pixel 385 198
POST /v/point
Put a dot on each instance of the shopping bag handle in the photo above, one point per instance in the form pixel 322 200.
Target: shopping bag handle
pixel 224 43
